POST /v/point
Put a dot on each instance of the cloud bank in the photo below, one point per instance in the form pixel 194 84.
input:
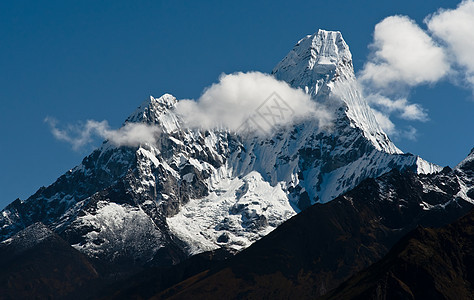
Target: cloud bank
pixel 131 134
pixel 250 101
pixel 404 55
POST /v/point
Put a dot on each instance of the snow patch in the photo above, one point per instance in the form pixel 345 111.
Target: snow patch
pixel 234 215
pixel 118 230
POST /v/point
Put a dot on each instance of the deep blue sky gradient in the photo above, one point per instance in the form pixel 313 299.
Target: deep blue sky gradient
pixel 79 60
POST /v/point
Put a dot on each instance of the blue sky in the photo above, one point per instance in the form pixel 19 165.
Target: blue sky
pixel 80 60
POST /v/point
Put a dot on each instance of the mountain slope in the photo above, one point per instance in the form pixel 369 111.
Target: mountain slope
pixel 426 264
pixel 199 190
pixel 318 249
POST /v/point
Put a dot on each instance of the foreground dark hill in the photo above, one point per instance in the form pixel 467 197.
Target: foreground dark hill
pixel 37 264
pixel 426 264
pixel 318 249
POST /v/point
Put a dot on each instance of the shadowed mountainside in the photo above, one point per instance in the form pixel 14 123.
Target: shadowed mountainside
pixel 426 264
pixel 324 245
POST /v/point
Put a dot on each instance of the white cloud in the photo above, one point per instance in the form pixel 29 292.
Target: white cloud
pixel 455 27
pixel 384 122
pixel 404 109
pixel 254 99
pixel 403 54
pixel 131 134
pixel 410 133
pixel 389 127
pixel 413 112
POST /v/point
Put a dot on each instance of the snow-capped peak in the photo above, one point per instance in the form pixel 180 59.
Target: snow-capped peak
pixel 157 111
pixel 467 162
pixel 150 110
pixel 331 45
pixel 321 65
pixel 313 58
pixel 465 172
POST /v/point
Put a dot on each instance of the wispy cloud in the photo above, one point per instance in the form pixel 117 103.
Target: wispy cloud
pixel 401 107
pixel 81 135
pixel 409 132
pixel 384 122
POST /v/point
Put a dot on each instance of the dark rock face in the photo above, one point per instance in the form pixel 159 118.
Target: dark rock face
pixel 322 246
pixel 426 264
pixel 150 281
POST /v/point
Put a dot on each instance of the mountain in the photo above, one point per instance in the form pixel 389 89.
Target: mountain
pixel 316 250
pixel 199 190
